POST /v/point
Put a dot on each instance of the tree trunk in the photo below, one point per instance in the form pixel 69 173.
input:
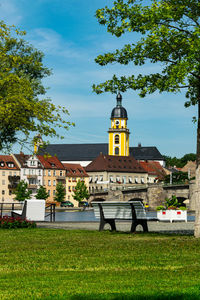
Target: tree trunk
pixel 197 198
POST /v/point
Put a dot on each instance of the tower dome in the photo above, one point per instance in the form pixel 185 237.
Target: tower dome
pixel 119 111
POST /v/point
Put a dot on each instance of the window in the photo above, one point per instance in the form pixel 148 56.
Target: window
pixel 111 179
pixel 68 197
pixel 15 173
pixel 130 180
pixel 61 173
pixel 142 180
pixel 117 139
pixel 116 150
pixel 69 188
pixel 44 172
pixel 3 182
pixel 24 171
pixel 2 164
pixel 96 179
pixel 136 180
pixel 49 192
pixel 54 172
pixel 10 192
pixel 54 192
pixel 44 182
pixel 39 172
pixel 3 173
pixel 118 179
pixel 3 192
pixel 10 164
pixel 10 173
pixel 101 178
pixel 124 179
pixel 90 179
pixel 49 182
pixel 32 162
pixel 54 183
pixel 49 172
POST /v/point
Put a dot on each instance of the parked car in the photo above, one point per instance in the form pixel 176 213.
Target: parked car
pixel 66 204
pixel 84 204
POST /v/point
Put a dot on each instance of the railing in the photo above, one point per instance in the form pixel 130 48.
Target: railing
pixel 8 207
pixel 51 211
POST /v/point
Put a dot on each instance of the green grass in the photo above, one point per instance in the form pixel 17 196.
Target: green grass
pixel 59 264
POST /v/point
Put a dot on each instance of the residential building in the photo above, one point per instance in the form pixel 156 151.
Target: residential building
pixel 110 172
pixel 74 173
pixel 53 172
pixel 31 171
pixel 9 177
pixel 156 172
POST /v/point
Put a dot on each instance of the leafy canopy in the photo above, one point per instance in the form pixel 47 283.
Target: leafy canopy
pixel 42 193
pixel 169 31
pixel 60 192
pixel 22 192
pixel 81 191
pixel 23 108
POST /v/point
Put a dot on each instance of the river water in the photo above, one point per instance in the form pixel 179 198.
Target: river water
pixel 88 216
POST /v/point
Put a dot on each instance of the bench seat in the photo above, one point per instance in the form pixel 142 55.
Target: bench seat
pixel 109 211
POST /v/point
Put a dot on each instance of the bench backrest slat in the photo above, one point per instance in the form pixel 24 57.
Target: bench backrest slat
pixel 119 210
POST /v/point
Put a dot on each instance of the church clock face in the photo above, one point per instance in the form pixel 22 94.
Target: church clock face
pixel 117 122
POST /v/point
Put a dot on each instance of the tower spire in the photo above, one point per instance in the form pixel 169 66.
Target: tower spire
pixel 119 99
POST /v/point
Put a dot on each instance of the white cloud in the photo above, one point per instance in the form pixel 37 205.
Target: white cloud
pixel 9 12
pixel 52 43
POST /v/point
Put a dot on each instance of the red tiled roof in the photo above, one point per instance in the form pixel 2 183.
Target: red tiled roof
pixel 75 170
pixel 50 162
pixel 113 163
pixel 153 168
pixel 4 163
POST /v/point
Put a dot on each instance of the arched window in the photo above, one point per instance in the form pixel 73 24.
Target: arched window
pixel 116 151
pixel 117 139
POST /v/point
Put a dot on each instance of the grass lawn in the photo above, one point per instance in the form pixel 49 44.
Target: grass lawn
pixel 59 264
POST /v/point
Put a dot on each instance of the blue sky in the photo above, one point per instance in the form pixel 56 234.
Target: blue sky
pixel 70 37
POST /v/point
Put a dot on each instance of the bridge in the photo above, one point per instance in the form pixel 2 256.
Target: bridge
pixel 153 195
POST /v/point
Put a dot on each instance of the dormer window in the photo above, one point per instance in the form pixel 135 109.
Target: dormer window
pixel 10 164
pixel 2 164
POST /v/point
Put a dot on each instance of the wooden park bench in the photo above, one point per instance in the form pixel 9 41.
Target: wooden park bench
pixel 109 211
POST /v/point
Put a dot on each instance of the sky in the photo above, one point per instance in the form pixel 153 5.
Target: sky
pixel 70 37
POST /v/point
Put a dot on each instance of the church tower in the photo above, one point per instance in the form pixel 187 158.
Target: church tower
pixel 118 133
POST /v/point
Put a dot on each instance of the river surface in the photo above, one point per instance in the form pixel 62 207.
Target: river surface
pixel 88 216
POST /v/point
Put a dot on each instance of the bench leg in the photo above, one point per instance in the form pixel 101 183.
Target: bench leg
pixel 103 222
pixel 135 223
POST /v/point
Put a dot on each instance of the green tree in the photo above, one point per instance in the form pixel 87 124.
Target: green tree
pixel 179 162
pixel 81 192
pixel 188 157
pixel 60 192
pixel 22 193
pixel 42 193
pixel 177 177
pixel 168 33
pixel 24 110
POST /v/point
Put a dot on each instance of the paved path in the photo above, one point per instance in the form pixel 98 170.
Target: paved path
pixel 162 227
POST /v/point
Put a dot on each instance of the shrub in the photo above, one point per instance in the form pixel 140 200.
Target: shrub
pixel 171 204
pixel 10 222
